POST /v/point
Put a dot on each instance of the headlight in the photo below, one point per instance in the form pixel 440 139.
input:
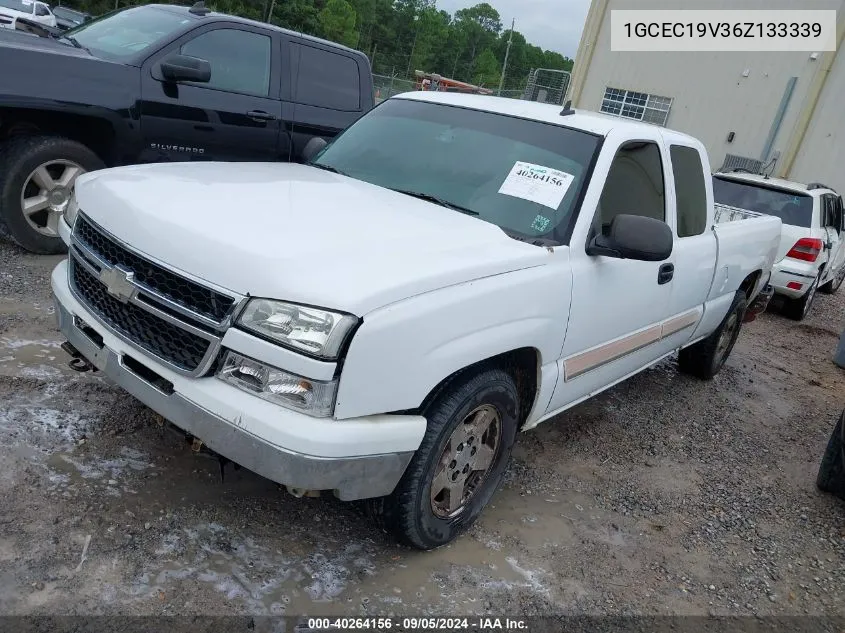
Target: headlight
pixel 311 330
pixel 313 397
pixel 72 210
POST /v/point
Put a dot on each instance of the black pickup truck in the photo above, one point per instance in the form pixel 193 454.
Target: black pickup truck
pixel 159 83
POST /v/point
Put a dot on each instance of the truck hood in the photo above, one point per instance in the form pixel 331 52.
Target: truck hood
pixel 47 71
pixel 13 42
pixel 297 233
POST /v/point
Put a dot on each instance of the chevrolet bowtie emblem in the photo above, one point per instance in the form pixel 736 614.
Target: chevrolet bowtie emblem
pixel 119 283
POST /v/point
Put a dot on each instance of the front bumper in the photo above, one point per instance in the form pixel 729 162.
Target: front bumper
pixel 348 476
pixel 795 272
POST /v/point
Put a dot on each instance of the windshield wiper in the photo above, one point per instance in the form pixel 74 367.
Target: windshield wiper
pixel 73 41
pixel 334 170
pixel 430 198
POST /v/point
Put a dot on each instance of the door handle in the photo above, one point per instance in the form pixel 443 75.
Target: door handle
pixel 260 115
pixel 665 274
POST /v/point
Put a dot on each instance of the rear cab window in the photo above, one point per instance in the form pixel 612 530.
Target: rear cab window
pixel 325 79
pixel 690 190
pixel 792 207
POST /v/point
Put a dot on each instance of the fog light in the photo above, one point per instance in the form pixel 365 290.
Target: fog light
pixel 314 397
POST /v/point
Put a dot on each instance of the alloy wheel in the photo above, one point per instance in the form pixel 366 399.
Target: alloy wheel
pixel 466 460
pixel 46 194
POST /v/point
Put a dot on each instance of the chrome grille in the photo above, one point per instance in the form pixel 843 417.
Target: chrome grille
pixel 178 320
pixel 184 292
pixel 165 340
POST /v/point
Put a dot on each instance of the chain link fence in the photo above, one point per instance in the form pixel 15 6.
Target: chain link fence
pixel 387 86
pixel 545 86
pixel 512 94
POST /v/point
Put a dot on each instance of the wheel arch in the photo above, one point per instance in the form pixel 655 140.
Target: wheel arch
pixel 94 132
pixel 750 283
pixel 523 364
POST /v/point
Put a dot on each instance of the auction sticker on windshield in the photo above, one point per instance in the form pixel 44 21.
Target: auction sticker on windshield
pixel 536 183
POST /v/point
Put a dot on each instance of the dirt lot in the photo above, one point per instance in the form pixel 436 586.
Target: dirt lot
pixel 664 495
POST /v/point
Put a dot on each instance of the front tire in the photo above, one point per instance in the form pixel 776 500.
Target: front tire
pixel 707 357
pixel 37 176
pixel 831 477
pixel 459 465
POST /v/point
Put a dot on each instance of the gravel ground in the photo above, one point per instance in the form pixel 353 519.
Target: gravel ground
pixel 665 495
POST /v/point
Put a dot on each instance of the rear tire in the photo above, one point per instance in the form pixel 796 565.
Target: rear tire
pixel 447 459
pixel 22 160
pixel 831 477
pixel 707 357
pixel 798 309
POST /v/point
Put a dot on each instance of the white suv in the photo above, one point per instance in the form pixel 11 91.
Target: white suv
pixel 812 245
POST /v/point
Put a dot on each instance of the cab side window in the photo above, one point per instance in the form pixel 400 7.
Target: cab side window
pixel 690 191
pixel 41 10
pixel 240 60
pixel 634 185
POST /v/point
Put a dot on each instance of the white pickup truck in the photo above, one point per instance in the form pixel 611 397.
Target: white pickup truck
pixel 381 323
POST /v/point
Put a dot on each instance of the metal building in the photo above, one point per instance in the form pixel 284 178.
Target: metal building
pixel 782 110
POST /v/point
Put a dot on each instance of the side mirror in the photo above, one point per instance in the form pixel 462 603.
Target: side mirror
pixel 312 148
pixel 183 68
pixel 634 237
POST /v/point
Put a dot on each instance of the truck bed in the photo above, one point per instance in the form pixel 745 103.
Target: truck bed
pixel 726 213
pixel 746 242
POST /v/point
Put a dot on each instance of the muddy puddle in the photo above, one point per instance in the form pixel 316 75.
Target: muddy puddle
pixel 33 358
pixel 302 570
pixel 323 577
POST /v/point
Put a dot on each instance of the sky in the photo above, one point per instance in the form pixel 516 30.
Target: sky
pixel 552 24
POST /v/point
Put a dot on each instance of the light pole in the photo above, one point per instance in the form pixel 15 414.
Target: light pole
pixel 413 46
pixel 507 54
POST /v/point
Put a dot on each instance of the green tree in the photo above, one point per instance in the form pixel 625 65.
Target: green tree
pixel 398 35
pixel 480 25
pixel 297 15
pixel 337 22
pixel 487 70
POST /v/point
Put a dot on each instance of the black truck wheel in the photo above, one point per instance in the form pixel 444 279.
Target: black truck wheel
pixel 37 175
pixel 459 465
pixel 705 358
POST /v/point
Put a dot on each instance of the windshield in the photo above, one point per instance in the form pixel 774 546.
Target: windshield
pixel 792 208
pixel 121 35
pixel 24 6
pixel 524 176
